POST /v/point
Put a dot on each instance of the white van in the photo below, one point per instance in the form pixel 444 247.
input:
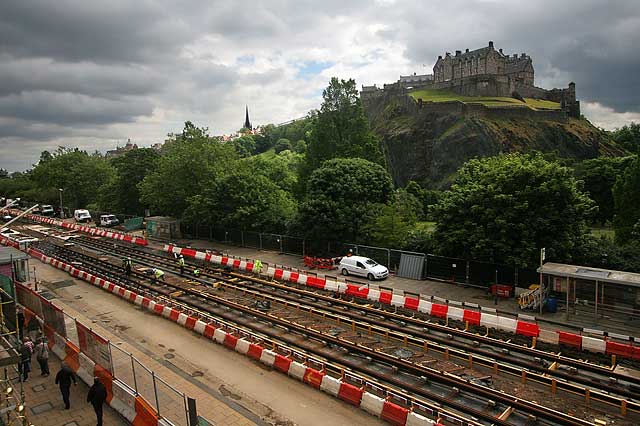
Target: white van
pixel 108 220
pixel 82 215
pixel 363 266
pixel 47 210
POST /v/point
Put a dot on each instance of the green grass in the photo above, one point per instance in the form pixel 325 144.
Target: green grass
pixel 603 232
pixel 440 95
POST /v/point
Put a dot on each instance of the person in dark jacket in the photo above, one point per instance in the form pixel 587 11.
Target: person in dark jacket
pixel 64 378
pixel 24 364
pixel 97 396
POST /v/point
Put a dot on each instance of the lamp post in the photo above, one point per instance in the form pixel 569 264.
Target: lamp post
pixel 61 208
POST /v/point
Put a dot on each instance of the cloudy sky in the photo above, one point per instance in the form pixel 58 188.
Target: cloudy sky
pixel 93 74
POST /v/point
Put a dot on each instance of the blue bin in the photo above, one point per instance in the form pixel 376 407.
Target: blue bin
pixel 552 305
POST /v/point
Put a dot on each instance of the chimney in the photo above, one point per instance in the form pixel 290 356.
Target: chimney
pixel 491 44
pixel 439 56
pixel 466 51
pixel 524 55
pixel 501 51
pixel 458 52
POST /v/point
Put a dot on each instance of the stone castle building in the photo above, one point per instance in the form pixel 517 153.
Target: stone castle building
pixel 482 72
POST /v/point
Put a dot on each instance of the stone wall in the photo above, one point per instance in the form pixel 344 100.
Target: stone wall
pixel 482 111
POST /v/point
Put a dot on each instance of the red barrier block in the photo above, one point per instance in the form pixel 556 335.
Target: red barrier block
pixel 294 277
pixel 158 308
pixel 71 359
pixel 173 315
pixel 209 329
pixel 350 394
pixel 570 339
pixel 230 341
pixel 313 377
pixel 249 267
pixel 635 353
pixel 620 349
pixel 277 275
pixel 357 291
pixel 224 260
pixel 146 415
pixel 282 363
pixel 132 296
pixel 190 323
pixel 145 302
pixel 411 303
pixel 394 414
pixel 439 311
pixel 236 263
pixel 316 282
pixel 254 351
pixel 385 297
pixel 527 329
pixel 472 317
pixel 188 252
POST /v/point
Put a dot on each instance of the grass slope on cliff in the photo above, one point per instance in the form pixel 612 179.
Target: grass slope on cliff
pixel 430 147
pixel 440 95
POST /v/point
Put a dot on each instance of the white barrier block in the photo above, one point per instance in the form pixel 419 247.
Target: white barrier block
pixel 297 370
pixel 138 300
pixel 372 404
pixel 243 265
pixel 151 305
pixel 216 259
pixel 507 324
pixel 342 288
pixel 242 346
pixel 397 300
pixel 592 344
pixel 166 312
pixel 424 306
pixel 271 271
pixel 199 327
pixel 331 286
pixel 489 320
pixel 374 295
pixel 302 279
pixel 86 369
pixel 123 401
pixel 330 385
pixel 548 336
pixel 455 313
pixel 268 357
pixel 414 419
pixel 286 275
pixel 182 318
pixel 219 335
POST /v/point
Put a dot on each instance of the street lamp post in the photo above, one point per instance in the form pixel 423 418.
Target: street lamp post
pixel 61 208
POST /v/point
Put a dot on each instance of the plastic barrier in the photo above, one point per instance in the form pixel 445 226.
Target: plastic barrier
pixel 527 329
pixel 619 349
pixel 394 414
pixel 414 419
pixel 570 339
pixel 592 344
pixel 372 404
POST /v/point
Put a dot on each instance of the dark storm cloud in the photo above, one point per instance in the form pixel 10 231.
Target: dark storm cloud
pixel 588 41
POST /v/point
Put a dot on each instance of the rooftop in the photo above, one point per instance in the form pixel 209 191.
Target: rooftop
pixel 593 274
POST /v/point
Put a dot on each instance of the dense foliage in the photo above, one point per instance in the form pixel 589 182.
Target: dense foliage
pixel 507 208
pixel 626 194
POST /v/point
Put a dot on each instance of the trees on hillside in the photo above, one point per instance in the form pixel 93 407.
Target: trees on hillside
pixel 628 137
pixel 506 208
pixel 341 197
pixel 626 194
pixel 341 129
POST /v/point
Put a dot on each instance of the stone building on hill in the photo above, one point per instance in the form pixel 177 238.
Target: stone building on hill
pixel 483 72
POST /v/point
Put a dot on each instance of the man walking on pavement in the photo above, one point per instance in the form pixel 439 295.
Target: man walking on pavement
pixel 42 356
pixel 97 396
pixel 64 378
pixel 181 264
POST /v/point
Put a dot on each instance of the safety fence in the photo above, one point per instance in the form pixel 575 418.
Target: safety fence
pixel 457 270
pixel 135 391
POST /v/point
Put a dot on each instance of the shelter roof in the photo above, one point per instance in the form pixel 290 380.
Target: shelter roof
pixel 589 273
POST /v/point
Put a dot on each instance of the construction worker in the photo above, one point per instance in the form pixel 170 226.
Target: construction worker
pixel 181 264
pixel 257 266
pixel 196 272
pixel 127 266
pixel 157 275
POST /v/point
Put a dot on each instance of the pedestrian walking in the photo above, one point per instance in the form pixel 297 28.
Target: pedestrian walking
pixel 127 266
pixel 24 364
pixel 42 356
pixel 63 379
pixel 20 323
pixel 97 396
pixel 181 264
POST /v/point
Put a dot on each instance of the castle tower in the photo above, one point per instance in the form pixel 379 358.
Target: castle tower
pixel 247 123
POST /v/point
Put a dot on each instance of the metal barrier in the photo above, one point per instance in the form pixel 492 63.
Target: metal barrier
pixel 462 271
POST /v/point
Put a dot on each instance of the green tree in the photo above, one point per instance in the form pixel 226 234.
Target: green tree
pixel 190 162
pixel 628 137
pixel 599 175
pixel 283 144
pixel 280 169
pixel 245 145
pixel 341 129
pixel 626 195
pixel 122 194
pixel 428 198
pixel 506 208
pixel 342 196
pixel 396 221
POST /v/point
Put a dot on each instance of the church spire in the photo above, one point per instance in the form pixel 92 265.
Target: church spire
pixel 247 123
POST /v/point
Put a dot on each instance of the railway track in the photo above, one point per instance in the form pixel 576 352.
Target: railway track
pixel 550 364
pixel 342 342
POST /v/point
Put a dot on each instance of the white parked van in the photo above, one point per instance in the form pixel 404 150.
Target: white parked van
pixel 82 215
pixel 108 220
pixel 363 266
pixel 47 210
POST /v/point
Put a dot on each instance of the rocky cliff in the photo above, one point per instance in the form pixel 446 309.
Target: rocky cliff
pixel 429 147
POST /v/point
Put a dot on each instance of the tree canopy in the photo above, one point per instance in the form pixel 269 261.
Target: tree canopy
pixel 507 208
pixel 626 193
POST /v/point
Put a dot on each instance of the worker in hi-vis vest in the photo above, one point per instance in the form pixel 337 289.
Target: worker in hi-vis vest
pixel 257 267
pixel 196 273
pixel 181 264
pixel 158 275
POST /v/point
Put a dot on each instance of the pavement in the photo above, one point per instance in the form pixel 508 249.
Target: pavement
pixel 438 289
pixel 44 404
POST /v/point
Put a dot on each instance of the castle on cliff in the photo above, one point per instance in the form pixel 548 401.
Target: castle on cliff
pixel 481 72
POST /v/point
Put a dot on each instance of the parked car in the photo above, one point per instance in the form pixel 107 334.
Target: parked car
pixel 82 215
pixel 46 210
pixel 363 266
pixel 109 220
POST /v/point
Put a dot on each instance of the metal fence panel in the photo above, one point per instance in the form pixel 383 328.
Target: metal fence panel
pixel 445 268
pixel 252 240
pixel 380 255
pixel 144 383
pixel 293 245
pixel 171 402
pixel 122 366
pixel 481 273
pixel 411 266
pixel 272 242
